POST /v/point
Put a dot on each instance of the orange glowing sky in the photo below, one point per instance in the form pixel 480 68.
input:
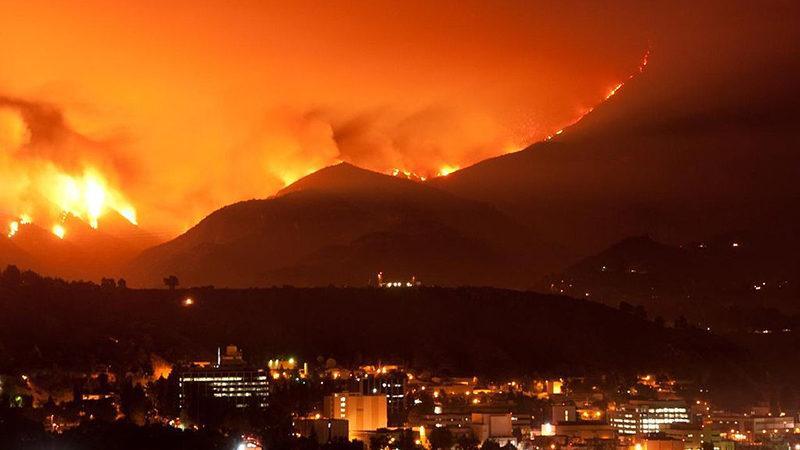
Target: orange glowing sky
pixel 185 106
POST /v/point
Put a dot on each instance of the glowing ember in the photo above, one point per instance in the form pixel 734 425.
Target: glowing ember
pixel 613 90
pixel 59 231
pixel 13 228
pixel 25 219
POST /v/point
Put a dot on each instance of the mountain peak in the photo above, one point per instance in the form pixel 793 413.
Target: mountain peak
pixel 346 178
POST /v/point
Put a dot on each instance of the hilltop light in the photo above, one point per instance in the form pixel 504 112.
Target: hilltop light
pixel 188 301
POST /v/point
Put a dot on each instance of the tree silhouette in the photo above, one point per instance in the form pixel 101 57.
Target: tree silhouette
pixel 467 442
pixel 441 438
pixel 12 277
pixel 489 444
pixel 171 282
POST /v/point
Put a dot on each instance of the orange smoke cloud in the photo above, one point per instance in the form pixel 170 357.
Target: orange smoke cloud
pixel 183 107
pixel 178 108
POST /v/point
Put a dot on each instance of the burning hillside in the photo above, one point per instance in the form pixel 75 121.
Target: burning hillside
pixel 51 173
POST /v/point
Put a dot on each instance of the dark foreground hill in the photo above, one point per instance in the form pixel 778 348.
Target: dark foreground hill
pixel 341 226
pixel 459 331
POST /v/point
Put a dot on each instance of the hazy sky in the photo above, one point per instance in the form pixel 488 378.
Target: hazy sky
pixel 186 106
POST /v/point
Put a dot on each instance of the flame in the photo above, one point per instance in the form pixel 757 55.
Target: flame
pixel 444 171
pixel 289 177
pixel 447 170
pixel 408 174
pixel 161 367
pixel 88 197
pixel 59 231
pixel 14 225
pixel 611 92
pixel 13 228
pixel 614 90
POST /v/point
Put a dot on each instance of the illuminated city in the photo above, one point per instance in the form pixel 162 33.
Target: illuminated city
pixel 399 225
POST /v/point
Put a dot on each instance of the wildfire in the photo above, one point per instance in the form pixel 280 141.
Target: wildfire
pixel 447 170
pixel 410 175
pixel 88 197
pixel 407 174
pixel 13 228
pixel 14 225
pixel 611 92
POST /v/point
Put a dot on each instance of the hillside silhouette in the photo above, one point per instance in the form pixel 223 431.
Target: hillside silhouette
pixel 342 225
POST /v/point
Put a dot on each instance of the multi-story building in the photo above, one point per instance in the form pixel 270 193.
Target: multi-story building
pixel 564 412
pixel 769 424
pixel 455 419
pixel 497 427
pixel 204 389
pixel 362 412
pixel 690 434
pixel 585 430
pixel 647 416
pixel 726 422
pixel 392 384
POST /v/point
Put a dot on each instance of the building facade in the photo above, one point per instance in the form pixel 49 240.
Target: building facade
pixel 646 416
pixel 362 412
pixel 393 385
pixel 209 389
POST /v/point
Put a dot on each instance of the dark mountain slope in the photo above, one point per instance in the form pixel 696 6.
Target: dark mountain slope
pixel 10 253
pixel 676 154
pixel 463 331
pixel 730 282
pixel 84 253
pixel 342 225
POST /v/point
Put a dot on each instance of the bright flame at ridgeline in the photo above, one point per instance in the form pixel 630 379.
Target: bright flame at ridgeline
pixel 447 169
pixel 87 197
pixel 611 92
